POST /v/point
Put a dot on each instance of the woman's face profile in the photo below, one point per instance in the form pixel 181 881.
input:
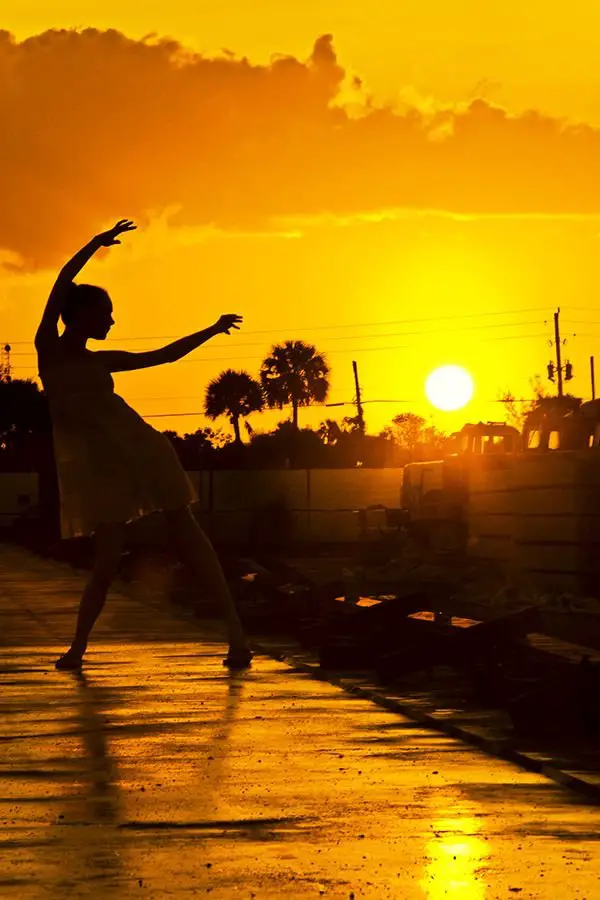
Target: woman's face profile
pixel 96 319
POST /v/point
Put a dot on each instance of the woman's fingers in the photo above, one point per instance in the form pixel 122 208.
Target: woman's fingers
pixel 229 321
pixel 124 225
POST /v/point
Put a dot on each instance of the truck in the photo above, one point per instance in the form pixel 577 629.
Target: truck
pixel 434 495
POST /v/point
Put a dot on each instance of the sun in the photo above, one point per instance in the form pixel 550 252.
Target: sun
pixel 449 388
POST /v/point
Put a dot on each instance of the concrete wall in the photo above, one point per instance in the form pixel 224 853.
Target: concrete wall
pixel 539 515
pixel 323 504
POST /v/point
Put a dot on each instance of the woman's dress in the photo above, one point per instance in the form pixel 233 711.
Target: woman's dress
pixel 112 466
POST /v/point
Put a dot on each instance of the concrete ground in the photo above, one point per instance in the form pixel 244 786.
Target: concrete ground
pixel 159 774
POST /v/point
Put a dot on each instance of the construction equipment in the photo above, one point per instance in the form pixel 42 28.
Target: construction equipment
pixel 434 494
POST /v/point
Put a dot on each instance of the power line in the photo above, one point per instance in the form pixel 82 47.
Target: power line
pixel 236 359
pixel 353 337
pixel 212 359
pixel 375 324
pixel 506 312
pixel 582 334
pixel 276 409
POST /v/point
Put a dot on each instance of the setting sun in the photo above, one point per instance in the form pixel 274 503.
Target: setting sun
pixel 449 388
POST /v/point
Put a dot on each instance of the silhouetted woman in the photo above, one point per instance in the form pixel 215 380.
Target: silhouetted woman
pixel 112 466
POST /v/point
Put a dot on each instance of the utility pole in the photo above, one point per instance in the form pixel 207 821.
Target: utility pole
pixel 5 364
pixel 359 409
pixel 557 368
pixel 558 361
pixel 593 377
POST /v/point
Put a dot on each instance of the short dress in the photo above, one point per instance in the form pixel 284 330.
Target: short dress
pixel 112 466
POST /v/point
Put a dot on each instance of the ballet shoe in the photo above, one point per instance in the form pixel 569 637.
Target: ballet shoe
pixel 69 662
pixel 238 659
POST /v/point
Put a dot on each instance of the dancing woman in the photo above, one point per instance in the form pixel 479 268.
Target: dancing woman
pixel 112 466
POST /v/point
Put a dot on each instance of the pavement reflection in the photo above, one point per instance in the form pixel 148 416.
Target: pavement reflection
pixel 457 860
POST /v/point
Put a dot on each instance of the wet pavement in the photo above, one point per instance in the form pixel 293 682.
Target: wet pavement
pixel 159 774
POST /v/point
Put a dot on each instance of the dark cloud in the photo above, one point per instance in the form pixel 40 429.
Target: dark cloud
pixel 95 125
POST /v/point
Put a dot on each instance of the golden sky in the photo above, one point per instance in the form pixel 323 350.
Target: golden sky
pixel 430 166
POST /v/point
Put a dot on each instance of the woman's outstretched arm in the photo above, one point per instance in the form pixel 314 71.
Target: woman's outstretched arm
pixel 47 331
pixel 124 361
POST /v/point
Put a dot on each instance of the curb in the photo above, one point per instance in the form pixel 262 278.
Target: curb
pixel 496 748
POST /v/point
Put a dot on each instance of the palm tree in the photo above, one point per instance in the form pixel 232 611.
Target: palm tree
pixel 330 432
pixel 294 373
pixel 236 395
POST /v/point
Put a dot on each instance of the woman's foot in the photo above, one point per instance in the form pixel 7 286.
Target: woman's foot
pixel 238 658
pixel 71 661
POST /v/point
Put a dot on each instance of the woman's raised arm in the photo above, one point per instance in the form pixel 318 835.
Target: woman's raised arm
pixel 47 331
pixel 124 361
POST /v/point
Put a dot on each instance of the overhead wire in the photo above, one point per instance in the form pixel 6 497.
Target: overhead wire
pixel 175 415
pixel 232 359
pixel 358 337
pixel 342 324
pixel 353 337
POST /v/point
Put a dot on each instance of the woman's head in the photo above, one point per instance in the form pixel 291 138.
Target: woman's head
pixel 88 310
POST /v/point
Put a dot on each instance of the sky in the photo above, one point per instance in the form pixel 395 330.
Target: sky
pixel 408 184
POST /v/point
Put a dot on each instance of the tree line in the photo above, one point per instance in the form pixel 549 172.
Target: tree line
pixel 294 374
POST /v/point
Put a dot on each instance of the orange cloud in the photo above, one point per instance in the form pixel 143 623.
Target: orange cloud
pixel 97 125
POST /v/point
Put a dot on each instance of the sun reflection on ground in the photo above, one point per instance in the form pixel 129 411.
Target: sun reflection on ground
pixel 457 856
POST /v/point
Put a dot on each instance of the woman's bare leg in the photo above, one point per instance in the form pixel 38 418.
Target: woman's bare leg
pixel 195 550
pixel 109 545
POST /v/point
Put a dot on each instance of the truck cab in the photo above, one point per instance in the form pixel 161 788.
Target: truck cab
pixel 434 494
pixel 486 438
pixel 577 430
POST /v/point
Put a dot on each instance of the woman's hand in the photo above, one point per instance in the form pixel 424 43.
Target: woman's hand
pixel 226 323
pixel 108 238
pixel 47 333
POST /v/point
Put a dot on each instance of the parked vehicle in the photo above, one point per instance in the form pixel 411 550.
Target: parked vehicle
pixel 434 494
pixel 577 430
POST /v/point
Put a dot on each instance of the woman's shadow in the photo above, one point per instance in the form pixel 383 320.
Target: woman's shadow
pixel 102 798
